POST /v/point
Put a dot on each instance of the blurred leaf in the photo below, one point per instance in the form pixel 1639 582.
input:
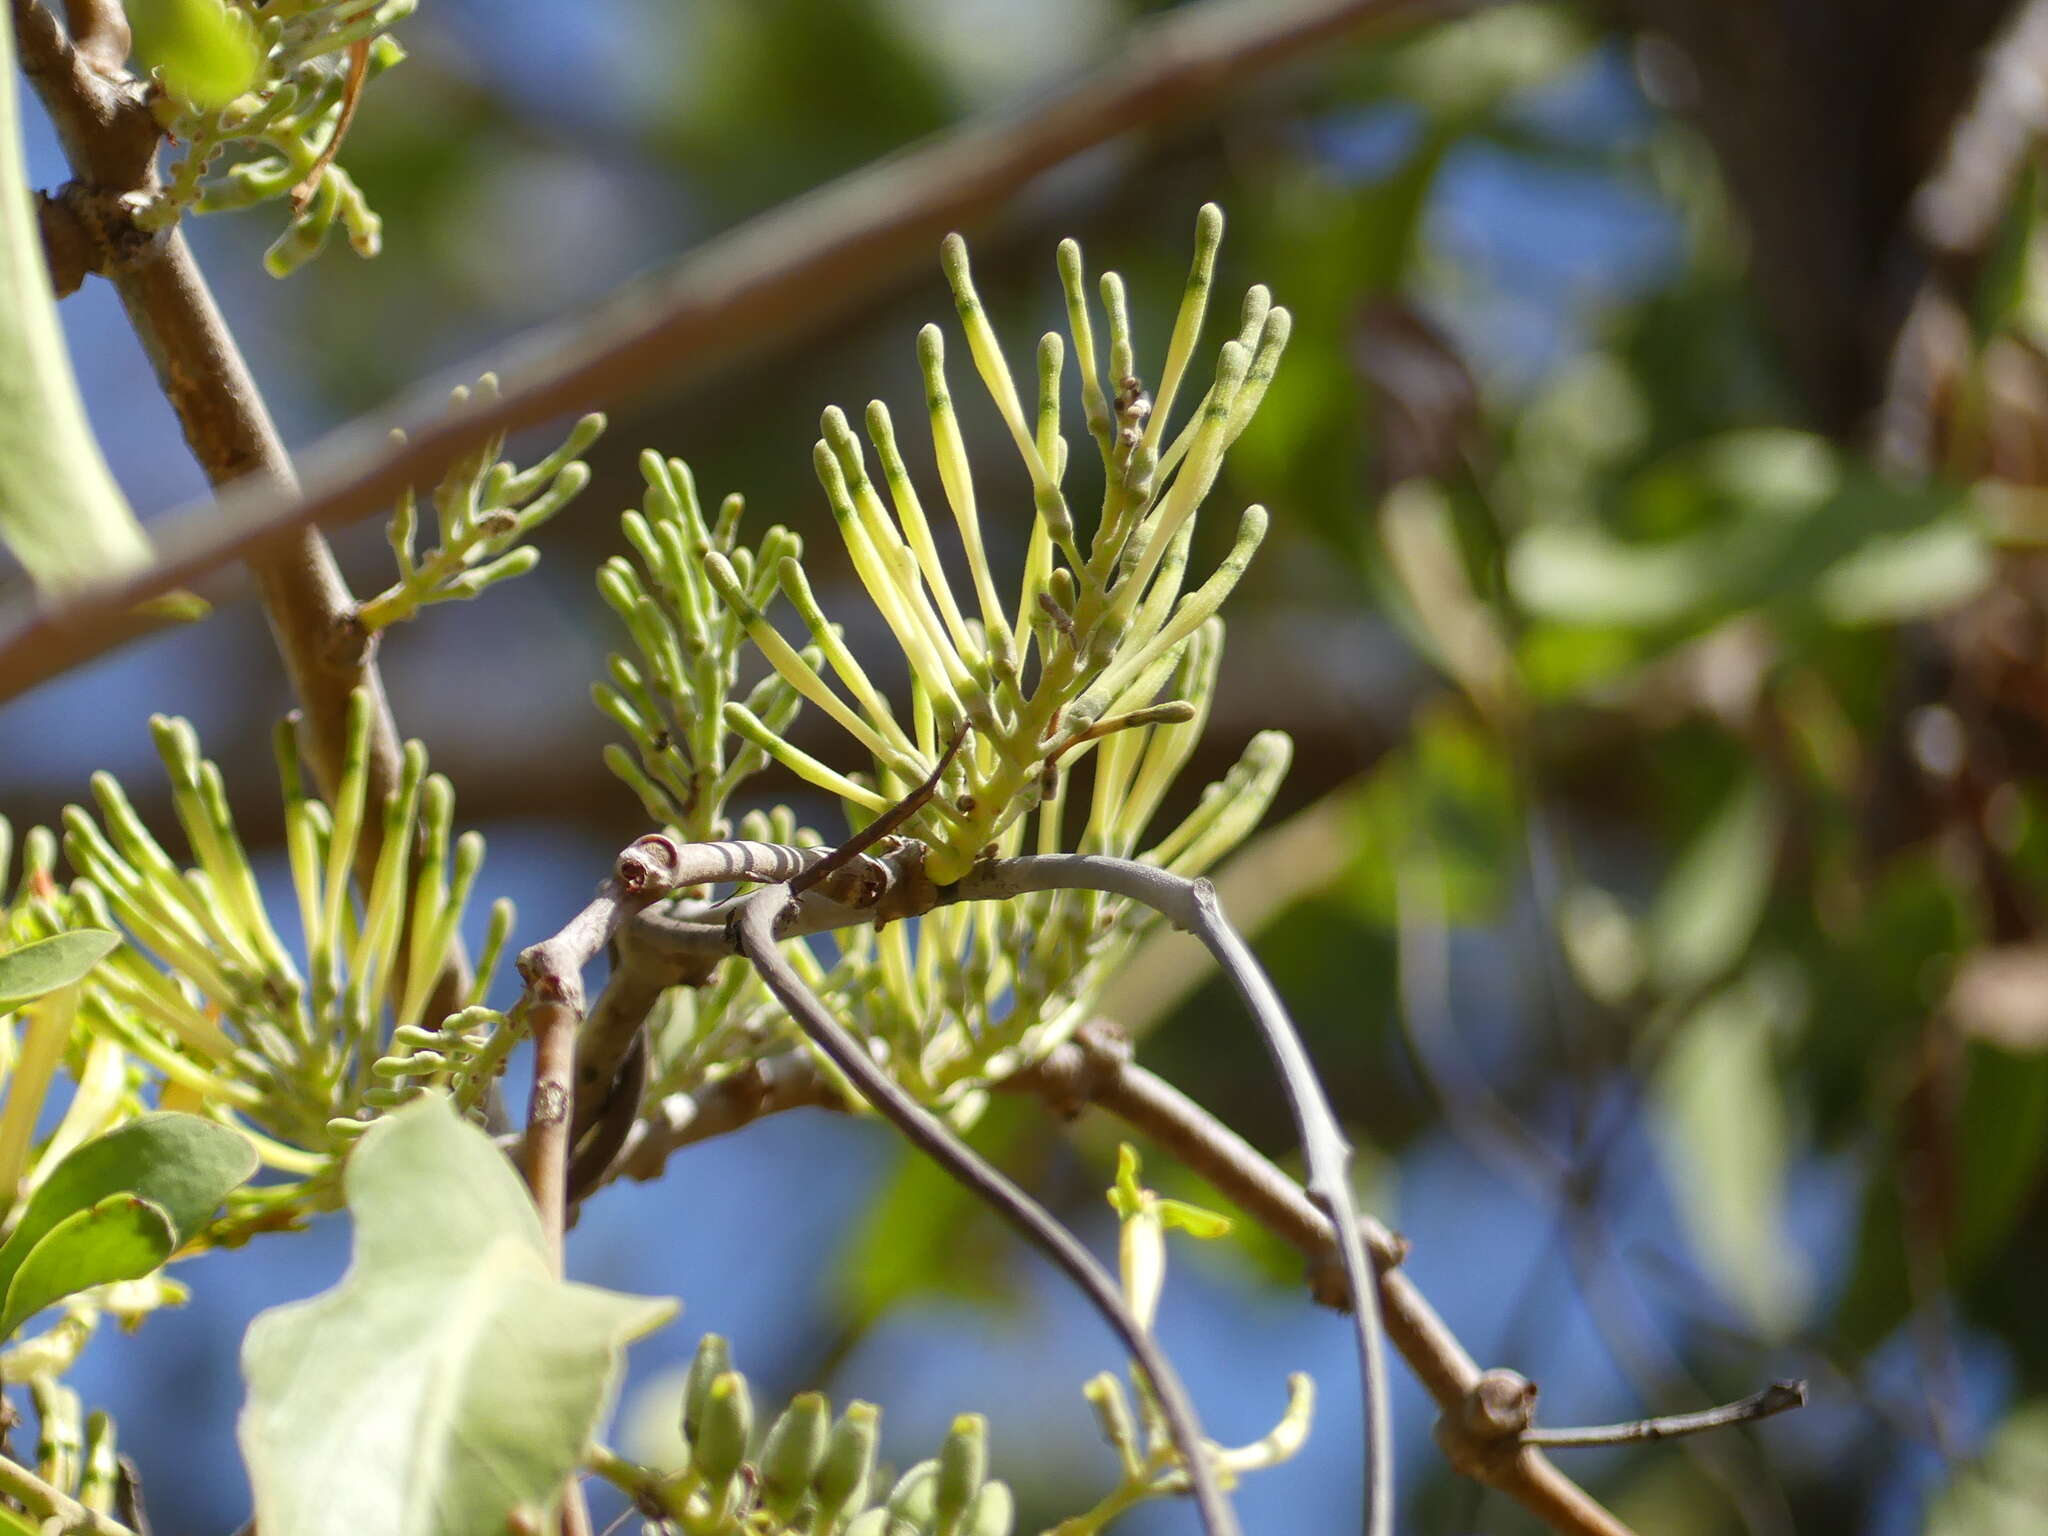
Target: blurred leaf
pixel 1728 1131
pixel 1909 576
pixel 44 966
pixel 2001 1134
pixel 450 1379
pixel 1464 67
pixel 183 1167
pixel 1742 520
pixel 1578 574
pixel 61 514
pixel 2002 1130
pixel 2004 1492
pixel 925 1235
pixel 1708 910
pixel 123 1237
pixel 811 87
pixel 206 50
pixel 1452 787
pixel 1461 633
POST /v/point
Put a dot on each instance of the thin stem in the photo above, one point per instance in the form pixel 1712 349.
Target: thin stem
pixel 47 1503
pixel 754 931
pixel 1778 1397
pixel 777 277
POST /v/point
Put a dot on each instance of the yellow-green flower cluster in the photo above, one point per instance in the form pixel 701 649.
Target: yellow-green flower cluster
pixel 694 741
pixel 483 508
pixel 280 134
pixel 224 1015
pixel 1105 653
pixel 1094 634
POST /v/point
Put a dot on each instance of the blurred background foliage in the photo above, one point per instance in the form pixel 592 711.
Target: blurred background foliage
pixel 1654 598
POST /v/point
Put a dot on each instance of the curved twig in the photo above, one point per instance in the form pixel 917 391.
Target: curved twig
pixel 754 932
pixel 1192 904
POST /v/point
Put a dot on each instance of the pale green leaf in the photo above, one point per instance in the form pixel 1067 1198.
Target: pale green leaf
pixel 1579 575
pixel 44 966
pixel 1710 905
pixel 450 1378
pixel 61 515
pixel 1900 577
pixel 124 1237
pixel 1727 1131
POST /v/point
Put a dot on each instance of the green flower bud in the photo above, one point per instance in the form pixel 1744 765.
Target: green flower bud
pixel 993 1512
pixel 913 1502
pixel 842 1477
pixel 727 1423
pixel 714 1359
pixel 963 1467
pixel 793 1453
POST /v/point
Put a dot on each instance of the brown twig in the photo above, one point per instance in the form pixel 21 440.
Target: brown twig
pixel 552 1009
pixel 1093 1070
pixel 99 31
pixel 779 275
pixel 351 97
pixel 110 139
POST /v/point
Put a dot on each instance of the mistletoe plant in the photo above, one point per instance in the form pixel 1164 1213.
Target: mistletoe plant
pixel 193 1061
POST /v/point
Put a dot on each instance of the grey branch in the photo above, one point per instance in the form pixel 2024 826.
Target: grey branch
pixel 1778 1397
pixel 1192 905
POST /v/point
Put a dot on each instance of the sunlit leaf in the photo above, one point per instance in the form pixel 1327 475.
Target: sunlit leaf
pixel 61 515
pixel 181 1165
pixel 450 1379
pixel 123 1237
pixel 1907 576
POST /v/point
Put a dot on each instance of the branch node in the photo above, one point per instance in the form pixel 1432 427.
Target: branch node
pixel 1482 1436
pixel 649 865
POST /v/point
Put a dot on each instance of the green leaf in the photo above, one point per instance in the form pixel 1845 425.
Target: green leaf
pixel 924 1235
pixel 181 1165
pixel 1710 906
pixel 61 513
pixel 207 52
pixel 1727 1129
pixel 1998 1494
pixel 44 966
pixel 1897 578
pixel 449 1379
pixel 124 1237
